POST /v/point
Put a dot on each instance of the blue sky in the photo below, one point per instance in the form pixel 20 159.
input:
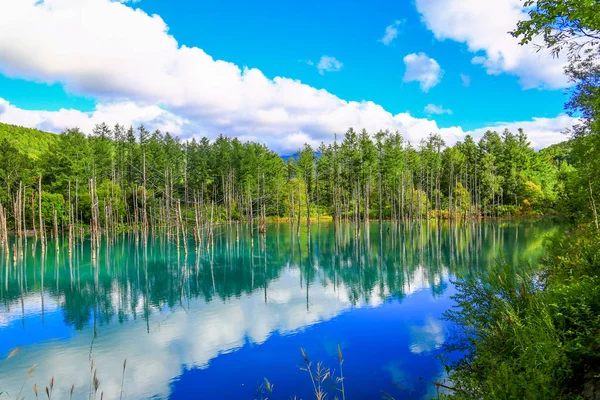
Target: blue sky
pixel 440 68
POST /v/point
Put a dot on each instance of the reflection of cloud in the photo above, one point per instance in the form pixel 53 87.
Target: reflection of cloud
pixel 32 305
pixel 427 337
pixel 421 277
pixel 435 392
pixel 401 375
pixel 190 339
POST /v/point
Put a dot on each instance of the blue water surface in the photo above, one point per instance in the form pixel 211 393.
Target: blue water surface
pixel 218 322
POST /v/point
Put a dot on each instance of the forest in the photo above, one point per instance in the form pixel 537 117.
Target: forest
pixel 153 179
pixel 523 332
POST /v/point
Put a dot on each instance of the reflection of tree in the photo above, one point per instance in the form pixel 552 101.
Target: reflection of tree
pixel 130 281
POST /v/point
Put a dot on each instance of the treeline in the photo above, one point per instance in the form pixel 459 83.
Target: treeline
pixel 118 176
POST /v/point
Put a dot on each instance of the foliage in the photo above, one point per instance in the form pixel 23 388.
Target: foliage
pixel 14 168
pixel 31 142
pixel 560 23
pixel 538 335
pixel 530 335
pixel 50 203
pixel 359 177
pixel 573 27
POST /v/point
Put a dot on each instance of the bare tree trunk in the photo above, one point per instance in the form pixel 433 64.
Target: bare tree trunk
pixel 55 229
pixel 42 230
pixel 299 211
pixel 380 199
pixel 593 204
pixel 307 194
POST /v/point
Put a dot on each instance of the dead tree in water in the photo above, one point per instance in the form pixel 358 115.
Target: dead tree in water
pixel 42 228
pixel 263 211
pixel 95 219
pixel 210 228
pixel 3 229
pixel 55 229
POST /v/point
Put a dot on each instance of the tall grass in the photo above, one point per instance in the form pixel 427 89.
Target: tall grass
pixel 532 334
pixel 94 389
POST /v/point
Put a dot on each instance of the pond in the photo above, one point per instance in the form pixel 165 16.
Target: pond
pixel 215 322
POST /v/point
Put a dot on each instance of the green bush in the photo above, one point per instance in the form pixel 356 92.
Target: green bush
pixel 51 202
pixel 531 334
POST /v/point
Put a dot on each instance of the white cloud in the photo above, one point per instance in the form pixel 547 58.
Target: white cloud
pixel 137 72
pixel 126 113
pixel 391 32
pixel 423 69
pixel 138 62
pixel 465 79
pixel 433 109
pixel 328 64
pixel 542 132
pixel 484 27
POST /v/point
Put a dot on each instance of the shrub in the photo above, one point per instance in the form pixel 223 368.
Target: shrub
pixel 531 334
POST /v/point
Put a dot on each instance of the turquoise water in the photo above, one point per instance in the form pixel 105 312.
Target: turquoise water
pixel 213 323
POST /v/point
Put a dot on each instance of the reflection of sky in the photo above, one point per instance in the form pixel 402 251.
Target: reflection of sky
pixel 185 343
pixel 371 339
pixel 224 347
pixel 30 306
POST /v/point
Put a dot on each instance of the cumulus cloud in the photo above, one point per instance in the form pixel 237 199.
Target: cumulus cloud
pixel 364 114
pixel 139 73
pixel 542 132
pixel 328 64
pixel 422 69
pixel 391 32
pixel 126 113
pixel 469 22
pixel 140 63
pixel 433 109
pixel 465 79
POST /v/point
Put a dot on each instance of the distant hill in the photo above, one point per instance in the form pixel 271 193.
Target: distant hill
pixel 34 143
pixel 28 141
pixel 560 151
pixel 296 155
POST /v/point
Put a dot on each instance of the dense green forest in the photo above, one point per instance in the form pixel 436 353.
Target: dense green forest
pixel 143 178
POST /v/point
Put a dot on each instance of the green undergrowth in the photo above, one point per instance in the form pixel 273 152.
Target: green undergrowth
pixel 532 333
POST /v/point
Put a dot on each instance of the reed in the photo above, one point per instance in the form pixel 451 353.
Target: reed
pixel 318 374
pixel 264 391
pixel 50 389
pixel 96 382
pixel 92 374
pixel 341 377
pixel 26 379
pixel 123 379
